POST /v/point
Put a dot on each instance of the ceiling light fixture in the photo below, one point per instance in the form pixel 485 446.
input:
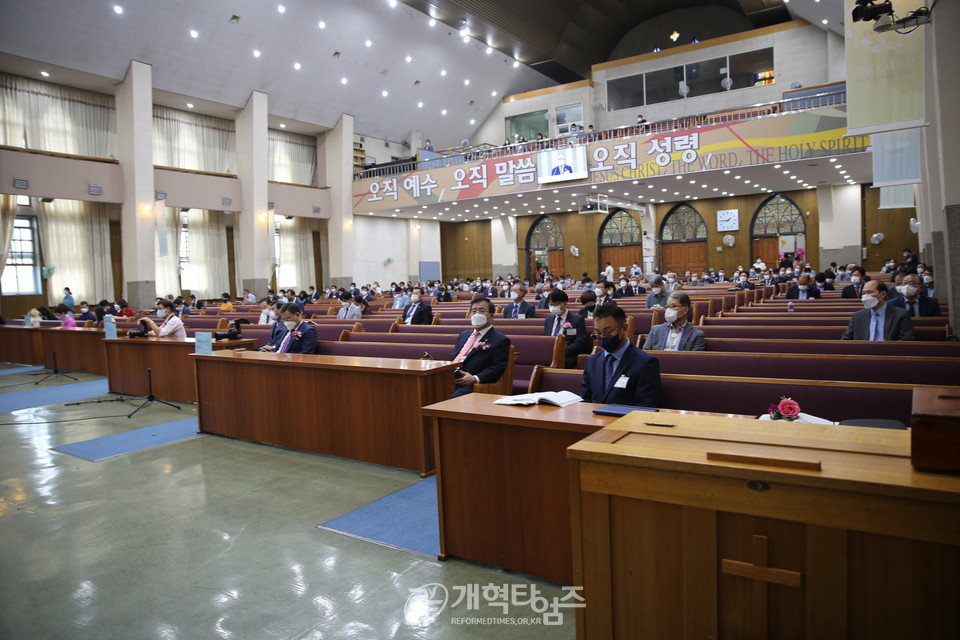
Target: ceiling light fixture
pixel 283 126
pixel 472 121
pixel 466 82
pixel 420 105
pixel 516 63
pixel 489 50
pixel 343 81
pixel 296 65
pixel 281 8
pixel 45 74
pixel 443 72
pixel 443 112
pixel 674 36
pixel 117 9
pixel 408 59
pixel 189 105
pixel 384 93
pixel 322 24
pixel 368 44
pixel 432 22
pixel 256 53
pixel 194 33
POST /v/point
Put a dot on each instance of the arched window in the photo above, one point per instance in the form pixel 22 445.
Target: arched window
pixel 778 216
pixel 546 234
pixel 619 229
pixel 683 223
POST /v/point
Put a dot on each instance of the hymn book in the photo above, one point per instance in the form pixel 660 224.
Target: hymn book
pixel 555 398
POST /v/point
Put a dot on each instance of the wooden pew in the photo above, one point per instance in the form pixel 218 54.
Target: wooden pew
pixel 927 349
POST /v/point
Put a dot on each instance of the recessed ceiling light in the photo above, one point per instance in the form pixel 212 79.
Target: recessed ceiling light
pixel 189 105
pixel 45 74
pixel 384 93
pixel 117 9
pixel 394 215
pixel 726 172
pixel 393 3
pixel 296 65
pixel 824 21
pixel 443 112
pixel 493 93
pixel 466 82
pixel 838 166
pixel 432 22
pixel 516 63
pixel 786 171
pixel 368 43
pixel 420 105
pixel 443 72
pixel 472 121
pixel 322 24
pixel 283 126
pixel 466 39
pixel 489 50
pixel 256 53
pixel 343 81
pixel 370 213
pixel 833 159
pixel 776 166
pixel 194 33
pixel 408 59
pixel 281 8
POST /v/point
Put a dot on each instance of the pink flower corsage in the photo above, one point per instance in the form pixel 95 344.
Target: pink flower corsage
pixel 297 334
pixel 567 325
pixel 483 346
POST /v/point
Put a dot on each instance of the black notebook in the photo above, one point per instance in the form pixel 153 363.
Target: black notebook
pixel 620 410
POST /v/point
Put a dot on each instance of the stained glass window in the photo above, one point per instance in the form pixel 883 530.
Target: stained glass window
pixel 684 223
pixel 778 215
pixel 546 234
pixel 620 228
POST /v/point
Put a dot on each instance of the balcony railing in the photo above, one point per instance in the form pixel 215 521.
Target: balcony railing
pixel 463 155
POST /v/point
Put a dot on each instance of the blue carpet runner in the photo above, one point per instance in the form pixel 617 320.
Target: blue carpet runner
pixel 39 396
pixel 131 441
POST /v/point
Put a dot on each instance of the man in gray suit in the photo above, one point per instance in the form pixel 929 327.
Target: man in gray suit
pixel 878 321
pixel 676 334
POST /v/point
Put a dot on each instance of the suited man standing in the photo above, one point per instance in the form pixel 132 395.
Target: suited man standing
pixel 802 290
pixel 676 334
pixel 482 352
pixel 914 300
pixel 878 321
pixel 855 288
pixel 519 308
pixel 418 311
pixel 571 326
pixel 621 373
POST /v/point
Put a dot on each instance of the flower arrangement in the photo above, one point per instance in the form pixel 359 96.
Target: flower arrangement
pixel 800 254
pixel 34 317
pixel 787 409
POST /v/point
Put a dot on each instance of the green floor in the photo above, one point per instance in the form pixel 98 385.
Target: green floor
pixel 212 538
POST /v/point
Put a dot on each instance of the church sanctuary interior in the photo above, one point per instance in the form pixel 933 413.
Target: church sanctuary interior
pixel 469 319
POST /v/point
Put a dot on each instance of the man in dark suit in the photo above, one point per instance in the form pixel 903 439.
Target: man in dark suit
pixel 855 288
pixel 418 311
pixel 482 352
pixel 803 290
pixel 297 336
pixel 570 325
pixel 914 300
pixel 519 308
pixel 743 282
pixel 621 373
pixel 879 321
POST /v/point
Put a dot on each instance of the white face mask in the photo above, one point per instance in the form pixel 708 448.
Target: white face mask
pixel 671 315
pixel 84 309
pixel 927 279
pixel 290 324
pixel 855 279
pixel 478 320
pixel 414 298
pixel 829 280
pixel 634 284
pixel 555 310
pixel 803 287
pixel 161 313
pixel 909 290
pixel 657 290
pixel 869 301
pixel 743 278
pixel 789 273
pixel 721 274
pixel 513 295
pixel 623 283
pixel 344 304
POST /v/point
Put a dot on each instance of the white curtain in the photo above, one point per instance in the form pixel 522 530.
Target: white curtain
pixel 192 141
pixel 207 251
pixel 297 266
pixel 75 240
pixel 168 266
pixel 56 118
pixel 293 157
pixel 8 213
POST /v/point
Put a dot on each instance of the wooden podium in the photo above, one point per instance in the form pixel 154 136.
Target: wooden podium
pixel 741 529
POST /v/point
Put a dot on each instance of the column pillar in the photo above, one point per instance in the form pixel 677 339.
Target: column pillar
pixel 134 103
pixel 254 223
pixel 503 242
pixel 335 170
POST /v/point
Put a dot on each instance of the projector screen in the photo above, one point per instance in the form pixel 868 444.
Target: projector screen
pixel 558 165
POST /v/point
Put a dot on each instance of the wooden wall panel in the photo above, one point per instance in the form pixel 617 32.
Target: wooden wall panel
pixel 465 249
pixel 116 251
pixel 893 224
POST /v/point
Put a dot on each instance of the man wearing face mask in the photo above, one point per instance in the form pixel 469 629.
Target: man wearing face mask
pixel 624 290
pixel 620 373
pixel 400 299
pixel 676 333
pixel 913 299
pixel 743 282
pixel 802 290
pixel 268 314
pixel 657 296
pixel 570 325
pixel 171 327
pixel 822 281
pixel 519 308
pixel 482 351
pixel 85 313
pixel 878 321
pixel 349 309
pixel 855 288
pixel 928 287
pixel 418 311
pixel 298 336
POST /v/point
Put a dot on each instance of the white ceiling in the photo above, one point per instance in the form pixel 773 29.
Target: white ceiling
pixel 85 43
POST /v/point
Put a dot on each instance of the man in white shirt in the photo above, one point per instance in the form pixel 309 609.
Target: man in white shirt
pixel 608 273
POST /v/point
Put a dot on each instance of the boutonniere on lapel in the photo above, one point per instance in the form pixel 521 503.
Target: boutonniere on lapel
pixel 567 325
pixel 482 346
pixel 297 334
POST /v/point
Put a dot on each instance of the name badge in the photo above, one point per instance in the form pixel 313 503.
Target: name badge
pixel 571 332
pixel 622 382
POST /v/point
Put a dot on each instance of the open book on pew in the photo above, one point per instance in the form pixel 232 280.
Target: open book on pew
pixel 555 398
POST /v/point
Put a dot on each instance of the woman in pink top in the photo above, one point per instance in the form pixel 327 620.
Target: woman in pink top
pixel 63 314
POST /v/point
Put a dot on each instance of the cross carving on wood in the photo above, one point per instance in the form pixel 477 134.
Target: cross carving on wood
pixel 761 574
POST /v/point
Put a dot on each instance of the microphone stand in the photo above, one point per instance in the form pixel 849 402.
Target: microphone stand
pixel 54 372
pixel 150 397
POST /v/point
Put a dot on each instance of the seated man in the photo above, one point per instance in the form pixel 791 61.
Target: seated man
pixel 657 296
pixel 855 288
pixel 624 290
pixel 621 373
pixel 879 321
pixel 802 290
pixel 589 301
pixel 350 307
pixel 85 313
pixel 743 282
pixel 914 300
pixel 545 292
pixel 609 294
pixel 676 333
pixel 570 325
pixel 249 297
pixel 400 299
pixel 417 312
pixel 519 308
pixel 638 289
pixel 171 327
pixel 297 337
pixel 482 352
